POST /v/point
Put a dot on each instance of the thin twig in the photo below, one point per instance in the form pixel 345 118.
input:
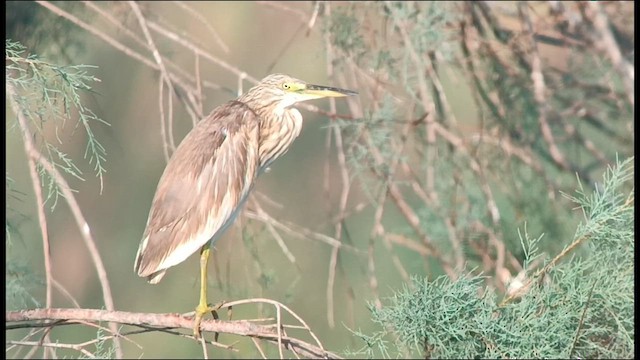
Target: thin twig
pixel 277 305
pixel 196 49
pixel 77 347
pixel 257 344
pixel 46 246
pixel 300 232
pixel 581 323
pixel 206 23
pixel 65 292
pixel 116 44
pixel 163 126
pixel 607 43
pixel 539 92
pixel 344 194
pixel 164 77
pixel 274 233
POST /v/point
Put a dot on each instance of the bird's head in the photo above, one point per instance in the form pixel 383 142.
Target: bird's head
pixel 283 91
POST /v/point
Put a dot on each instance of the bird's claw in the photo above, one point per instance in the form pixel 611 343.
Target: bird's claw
pixel 200 312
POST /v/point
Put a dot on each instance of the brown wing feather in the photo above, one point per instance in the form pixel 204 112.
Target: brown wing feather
pixel 203 186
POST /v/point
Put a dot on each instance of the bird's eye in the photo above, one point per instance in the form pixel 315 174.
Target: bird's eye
pixel 286 86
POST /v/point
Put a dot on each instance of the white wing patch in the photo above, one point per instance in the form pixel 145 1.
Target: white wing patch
pixel 184 250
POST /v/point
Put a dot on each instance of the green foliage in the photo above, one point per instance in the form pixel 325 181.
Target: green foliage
pixel 430 22
pixel 379 128
pixel 439 315
pixel 495 166
pixel 46 93
pixel 529 247
pixel 345 31
pixel 20 282
pixel 583 310
pixel 12 194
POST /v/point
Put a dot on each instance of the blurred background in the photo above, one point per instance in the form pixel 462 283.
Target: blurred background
pixel 472 119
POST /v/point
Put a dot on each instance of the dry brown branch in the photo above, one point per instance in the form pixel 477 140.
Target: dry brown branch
pixel 280 326
pixel 198 96
pixel 409 214
pixel 378 228
pixel 607 44
pixel 193 95
pixel 427 103
pixel 299 231
pixel 116 44
pixel 126 50
pixel 274 232
pixel 35 344
pixel 158 322
pixel 540 90
pixel 115 22
pixel 65 293
pixel 298 14
pixel 344 193
pixel 198 50
pixel 42 219
pixel 206 23
pixel 167 141
pixel 258 347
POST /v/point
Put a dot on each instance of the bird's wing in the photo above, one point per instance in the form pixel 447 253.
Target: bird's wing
pixel 201 189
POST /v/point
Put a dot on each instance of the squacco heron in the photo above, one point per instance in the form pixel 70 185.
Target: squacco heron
pixel 212 171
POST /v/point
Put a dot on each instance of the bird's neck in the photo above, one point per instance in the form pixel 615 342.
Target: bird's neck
pixel 277 133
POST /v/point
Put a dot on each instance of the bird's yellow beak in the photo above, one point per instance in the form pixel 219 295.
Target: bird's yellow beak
pixel 318 91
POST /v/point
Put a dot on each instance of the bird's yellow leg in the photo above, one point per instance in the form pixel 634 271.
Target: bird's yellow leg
pixel 204 307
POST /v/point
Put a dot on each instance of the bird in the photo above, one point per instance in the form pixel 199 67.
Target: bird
pixel 209 176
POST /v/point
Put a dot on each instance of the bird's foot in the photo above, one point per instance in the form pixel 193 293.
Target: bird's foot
pixel 202 310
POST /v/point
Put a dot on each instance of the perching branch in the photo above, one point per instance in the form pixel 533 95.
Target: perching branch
pixel 162 322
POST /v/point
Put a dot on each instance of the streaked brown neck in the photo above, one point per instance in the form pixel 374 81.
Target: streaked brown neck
pixel 277 133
